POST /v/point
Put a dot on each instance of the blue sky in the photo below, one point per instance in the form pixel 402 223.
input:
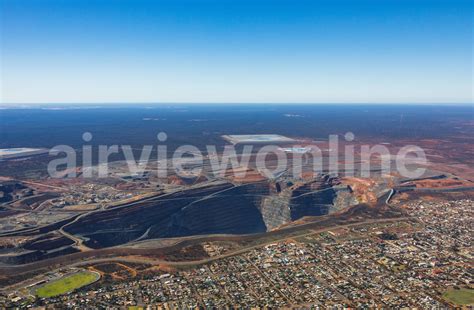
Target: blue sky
pixel 378 51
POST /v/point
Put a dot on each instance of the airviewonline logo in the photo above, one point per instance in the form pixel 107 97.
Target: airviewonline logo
pixel 409 161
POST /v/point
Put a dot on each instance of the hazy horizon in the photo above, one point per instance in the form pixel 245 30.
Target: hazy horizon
pixel 224 104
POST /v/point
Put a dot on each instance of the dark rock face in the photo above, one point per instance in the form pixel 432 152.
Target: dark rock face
pixel 312 199
pixel 32 256
pixel 215 209
pixel 234 211
pixel 47 242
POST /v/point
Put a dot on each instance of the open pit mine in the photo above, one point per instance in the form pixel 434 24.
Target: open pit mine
pixel 216 207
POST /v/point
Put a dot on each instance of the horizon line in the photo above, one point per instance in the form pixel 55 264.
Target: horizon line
pixel 109 103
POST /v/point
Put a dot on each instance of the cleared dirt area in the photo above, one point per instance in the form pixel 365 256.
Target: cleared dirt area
pixel 442 183
pixel 362 189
